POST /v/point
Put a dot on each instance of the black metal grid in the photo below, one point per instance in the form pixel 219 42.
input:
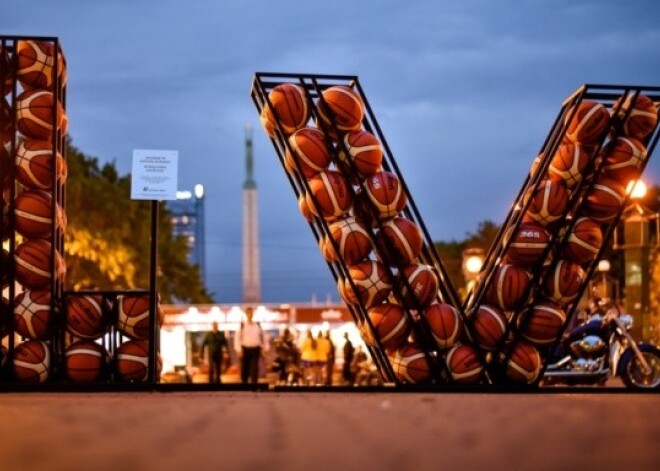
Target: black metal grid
pixel 314 85
pixel 607 96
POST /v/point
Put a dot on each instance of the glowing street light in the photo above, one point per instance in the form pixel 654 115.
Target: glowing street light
pixel 636 189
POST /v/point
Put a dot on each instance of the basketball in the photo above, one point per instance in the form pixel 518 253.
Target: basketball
pixel 352 241
pixel 85 316
pixel 35 165
pixel 508 286
pixel 464 364
pixel 36 63
pixel 6 120
pixel 399 242
pixel 32 315
pixel 6 72
pixel 386 194
pixel 372 282
pixel 346 110
pixel 132 361
pixel 390 324
pixel 528 244
pixel 133 316
pixel 32 267
pixel 34 114
pixel 419 286
pixel 588 123
pixel 548 203
pixel 446 324
pixel 563 283
pixel 304 208
pixel 31 361
pixel 524 364
pixel 289 105
pixel 410 364
pixel 331 192
pixel 642 118
pixel 267 123
pixel 541 323
pixel 364 151
pixel 569 163
pixel 604 200
pixel 309 149
pixel 584 241
pixel 488 326
pixel 32 211
pixel 623 158
pixel 85 361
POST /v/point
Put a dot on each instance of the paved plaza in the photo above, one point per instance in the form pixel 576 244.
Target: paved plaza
pixel 328 431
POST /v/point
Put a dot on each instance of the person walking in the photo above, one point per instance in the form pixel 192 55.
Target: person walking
pixel 321 363
pixel 215 345
pixel 308 358
pixel 330 361
pixel 346 372
pixel 250 342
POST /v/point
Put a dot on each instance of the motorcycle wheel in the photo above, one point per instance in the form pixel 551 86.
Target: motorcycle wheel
pixel 631 371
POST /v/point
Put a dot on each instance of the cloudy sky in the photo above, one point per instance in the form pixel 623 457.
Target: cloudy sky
pixel 465 93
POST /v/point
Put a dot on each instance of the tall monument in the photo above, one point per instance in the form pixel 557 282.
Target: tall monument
pixel 251 267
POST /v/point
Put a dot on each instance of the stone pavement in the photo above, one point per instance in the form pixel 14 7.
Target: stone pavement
pixel 328 431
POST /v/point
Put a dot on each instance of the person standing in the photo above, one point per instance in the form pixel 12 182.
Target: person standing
pixel 348 359
pixel 322 353
pixel 250 343
pixel 308 358
pixel 330 362
pixel 215 344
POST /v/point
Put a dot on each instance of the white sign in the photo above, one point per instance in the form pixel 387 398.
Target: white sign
pixel 154 175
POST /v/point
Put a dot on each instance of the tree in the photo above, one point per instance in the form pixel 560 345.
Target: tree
pixel 107 238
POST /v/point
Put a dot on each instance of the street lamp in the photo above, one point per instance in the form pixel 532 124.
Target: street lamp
pixel 603 268
pixel 473 261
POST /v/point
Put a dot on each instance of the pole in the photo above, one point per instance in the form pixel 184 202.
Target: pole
pixel 153 292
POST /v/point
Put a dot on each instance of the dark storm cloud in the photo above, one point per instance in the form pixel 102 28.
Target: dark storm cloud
pixel 464 91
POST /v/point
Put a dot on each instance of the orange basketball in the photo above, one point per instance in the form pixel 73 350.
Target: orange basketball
pixel 372 282
pixel 133 315
pixel 588 124
pixel 464 364
pixel 364 151
pixel 31 361
pixel 541 323
pixel 6 120
pixel 410 364
pixel 386 194
pixel 34 114
pixel 399 242
pixel 624 158
pixel 267 123
pixel 33 217
pixel 508 286
pixel 32 259
pixel 304 207
pixel 488 325
pixel 289 106
pixel 352 240
pixel 446 324
pixel 6 72
pixel 528 244
pixel 563 283
pixel 35 165
pixel 642 118
pixel 548 203
pixel 604 200
pixel 390 324
pixel 332 195
pixel 32 315
pixel 85 316
pixel 524 364
pixel 132 361
pixel 584 241
pixel 569 163
pixel 309 151
pixel 85 361
pixel 419 286
pixel 346 110
pixel 36 64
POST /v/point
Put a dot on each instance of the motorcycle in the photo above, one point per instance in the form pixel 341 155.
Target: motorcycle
pixel 602 348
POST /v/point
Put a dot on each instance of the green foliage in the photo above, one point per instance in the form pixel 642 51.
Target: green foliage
pixel 107 239
pixel 451 253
